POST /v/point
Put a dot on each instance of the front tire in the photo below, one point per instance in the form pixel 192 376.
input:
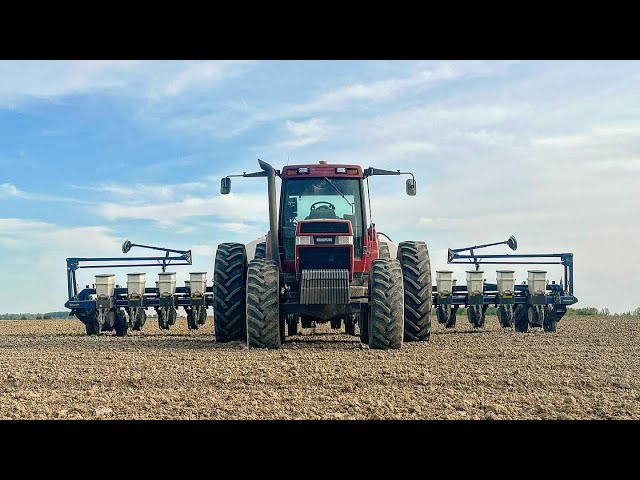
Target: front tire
pixel 229 292
pixel 263 307
pixel 387 305
pixel 416 279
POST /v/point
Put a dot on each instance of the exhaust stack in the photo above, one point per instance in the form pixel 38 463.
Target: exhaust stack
pixel 273 209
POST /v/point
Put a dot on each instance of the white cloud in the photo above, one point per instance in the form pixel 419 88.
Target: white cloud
pixel 8 190
pixel 24 81
pixel 246 207
pixel 34 256
pixel 144 192
pixel 305 133
pixel 560 141
pixel 389 88
pixel 201 74
pixel 78 241
pixel 17 225
pixel 404 148
pixel 353 98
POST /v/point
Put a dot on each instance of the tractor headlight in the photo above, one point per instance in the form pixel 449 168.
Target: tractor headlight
pixel 346 240
pixel 306 240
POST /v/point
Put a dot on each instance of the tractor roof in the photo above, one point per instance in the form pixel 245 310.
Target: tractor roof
pixel 322 169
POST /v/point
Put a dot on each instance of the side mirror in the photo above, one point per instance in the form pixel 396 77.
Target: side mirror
pixel 411 187
pixel 512 242
pixel 126 246
pixel 225 186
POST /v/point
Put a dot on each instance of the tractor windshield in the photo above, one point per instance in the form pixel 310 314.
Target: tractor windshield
pixel 321 198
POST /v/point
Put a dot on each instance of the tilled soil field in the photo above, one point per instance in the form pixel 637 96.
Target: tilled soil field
pixel 590 368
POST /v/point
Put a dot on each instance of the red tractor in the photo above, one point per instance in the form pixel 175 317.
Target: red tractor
pixel 322 261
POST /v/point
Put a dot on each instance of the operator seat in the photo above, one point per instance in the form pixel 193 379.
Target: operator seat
pixel 323 212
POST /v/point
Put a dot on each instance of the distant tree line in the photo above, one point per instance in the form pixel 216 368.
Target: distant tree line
pixel 602 311
pixel 578 311
pixel 34 316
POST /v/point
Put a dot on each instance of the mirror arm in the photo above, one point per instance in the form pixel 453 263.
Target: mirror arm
pixel 368 172
pixel 408 173
pixel 261 173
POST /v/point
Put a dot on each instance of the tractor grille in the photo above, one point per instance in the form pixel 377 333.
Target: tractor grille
pixel 324 257
pixel 324 227
pixel 324 287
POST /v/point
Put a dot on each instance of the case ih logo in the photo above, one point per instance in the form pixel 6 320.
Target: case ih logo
pixel 323 240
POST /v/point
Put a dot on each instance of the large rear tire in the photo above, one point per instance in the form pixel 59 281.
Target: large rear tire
pixel 229 292
pixel 416 278
pixel 263 319
pixel 387 305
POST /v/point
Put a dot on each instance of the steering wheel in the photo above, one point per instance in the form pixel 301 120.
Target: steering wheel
pixel 328 205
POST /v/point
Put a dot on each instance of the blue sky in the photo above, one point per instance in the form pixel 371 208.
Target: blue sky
pixel 92 152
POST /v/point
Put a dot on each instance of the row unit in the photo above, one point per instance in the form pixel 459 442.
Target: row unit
pixel 166 284
pixel 505 280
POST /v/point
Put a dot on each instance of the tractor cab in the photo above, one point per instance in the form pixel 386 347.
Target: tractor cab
pixel 322 206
